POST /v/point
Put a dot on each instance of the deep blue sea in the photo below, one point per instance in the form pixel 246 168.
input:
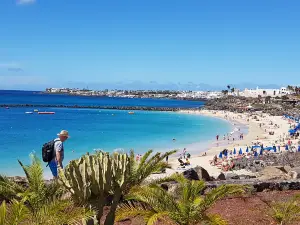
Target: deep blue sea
pixel 21 134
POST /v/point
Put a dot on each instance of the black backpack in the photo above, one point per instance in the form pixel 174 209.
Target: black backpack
pixel 48 151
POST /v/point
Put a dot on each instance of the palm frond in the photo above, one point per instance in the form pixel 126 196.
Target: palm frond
pixel 144 159
pixel 188 207
pixel 3 213
pixel 9 188
pixel 285 212
pixel 62 212
pixel 214 219
pixel 153 196
pixel 34 173
pixel 17 213
pixel 162 216
pixel 131 209
pixel 221 192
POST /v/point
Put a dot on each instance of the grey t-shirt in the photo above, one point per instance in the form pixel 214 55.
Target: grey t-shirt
pixel 58 147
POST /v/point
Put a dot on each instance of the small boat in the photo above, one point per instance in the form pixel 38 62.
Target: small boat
pixel 130 112
pixel 35 110
pixel 46 112
pixel 28 112
pixel 6 107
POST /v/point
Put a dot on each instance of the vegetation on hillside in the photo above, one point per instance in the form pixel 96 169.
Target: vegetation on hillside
pixel 89 183
pixel 286 212
pixel 37 202
pixel 186 207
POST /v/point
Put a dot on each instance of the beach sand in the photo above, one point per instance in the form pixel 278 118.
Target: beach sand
pixel 254 134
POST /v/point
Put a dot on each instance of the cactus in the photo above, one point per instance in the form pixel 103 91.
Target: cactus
pixel 92 178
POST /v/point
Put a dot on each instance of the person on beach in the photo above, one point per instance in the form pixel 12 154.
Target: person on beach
pixel 58 157
pixel 184 152
pixel 217 137
pixel 188 155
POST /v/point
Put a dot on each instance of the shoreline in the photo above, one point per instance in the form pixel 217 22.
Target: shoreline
pixel 255 133
pixel 250 129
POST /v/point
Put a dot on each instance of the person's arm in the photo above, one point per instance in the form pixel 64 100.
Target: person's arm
pixel 58 152
pixel 59 159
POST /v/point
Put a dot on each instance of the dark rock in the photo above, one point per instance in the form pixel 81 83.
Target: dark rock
pixel 258 186
pixel 221 176
pixel 191 174
pixel 197 173
pixel 202 173
pixel 232 176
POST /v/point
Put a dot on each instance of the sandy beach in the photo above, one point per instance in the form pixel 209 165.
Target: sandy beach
pixel 258 128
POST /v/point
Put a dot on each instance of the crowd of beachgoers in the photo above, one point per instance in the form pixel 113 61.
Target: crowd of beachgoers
pixel 265 135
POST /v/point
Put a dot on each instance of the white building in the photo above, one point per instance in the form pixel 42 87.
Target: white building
pixel 264 92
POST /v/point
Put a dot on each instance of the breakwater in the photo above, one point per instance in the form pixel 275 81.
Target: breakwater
pixel 144 108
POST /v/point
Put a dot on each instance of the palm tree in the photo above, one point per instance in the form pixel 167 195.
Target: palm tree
pixel 186 207
pixel 146 166
pixel 232 90
pixel 37 193
pixel 102 178
pixel 56 212
pixel 39 203
pixel 228 87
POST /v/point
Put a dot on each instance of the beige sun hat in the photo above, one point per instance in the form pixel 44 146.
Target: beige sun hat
pixel 63 133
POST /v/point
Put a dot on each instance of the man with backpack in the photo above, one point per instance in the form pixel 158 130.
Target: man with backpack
pixel 53 152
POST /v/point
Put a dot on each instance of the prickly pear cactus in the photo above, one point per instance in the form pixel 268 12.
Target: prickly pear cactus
pixel 92 177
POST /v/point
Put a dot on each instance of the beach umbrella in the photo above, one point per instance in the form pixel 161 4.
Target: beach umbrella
pixel 268 148
pixel 225 153
pixel 261 151
pixel 274 148
pixel 234 151
pixel 299 148
pixel 247 150
pixel 220 155
pixel 241 151
pixel 256 146
pixel 287 147
pixel 255 154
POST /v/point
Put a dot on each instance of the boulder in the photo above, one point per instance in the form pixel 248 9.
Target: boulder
pixel 221 176
pixel 202 173
pixel 197 173
pixel 272 173
pixel 171 187
pixel 294 173
pixel 191 174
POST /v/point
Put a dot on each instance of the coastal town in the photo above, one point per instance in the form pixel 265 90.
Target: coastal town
pixel 171 94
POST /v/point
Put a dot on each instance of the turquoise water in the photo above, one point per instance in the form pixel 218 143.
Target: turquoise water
pixel 91 129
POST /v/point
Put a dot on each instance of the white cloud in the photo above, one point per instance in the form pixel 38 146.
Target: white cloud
pixel 25 2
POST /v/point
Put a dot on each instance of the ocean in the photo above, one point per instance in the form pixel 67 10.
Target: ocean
pixel 90 129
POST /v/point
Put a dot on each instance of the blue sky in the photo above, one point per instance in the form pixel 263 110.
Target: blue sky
pixel 73 43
